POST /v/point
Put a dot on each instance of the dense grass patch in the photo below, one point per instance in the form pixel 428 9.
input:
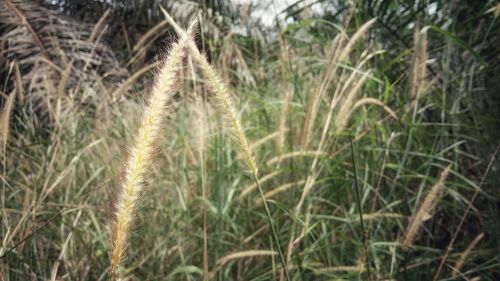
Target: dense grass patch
pixel 372 157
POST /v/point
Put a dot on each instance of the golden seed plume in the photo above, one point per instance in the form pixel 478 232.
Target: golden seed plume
pixel 225 104
pixel 19 83
pixel 288 90
pixel 373 101
pixel 140 153
pixel 339 53
pixel 323 83
pixel 419 63
pixel 424 211
pixel 5 118
pixel 222 98
pixel 344 112
pixel 287 100
pixel 239 255
pixel 360 33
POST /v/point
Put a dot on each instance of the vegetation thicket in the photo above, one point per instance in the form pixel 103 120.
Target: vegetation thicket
pixel 359 143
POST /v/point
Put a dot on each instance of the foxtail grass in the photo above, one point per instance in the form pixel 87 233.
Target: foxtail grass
pixel 288 91
pixel 373 101
pixel 225 105
pixel 419 63
pixel 5 117
pixel 339 53
pixel 424 211
pixel 345 109
pixel 141 153
pixel 465 254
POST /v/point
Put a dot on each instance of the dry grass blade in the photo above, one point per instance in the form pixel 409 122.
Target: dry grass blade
pixel 133 78
pixel 248 189
pixel 290 155
pixel 245 254
pixel 341 268
pixel 339 54
pixel 240 255
pixel 376 216
pixel 100 26
pixel 424 211
pixel 64 79
pixel 373 101
pixel 279 189
pixel 146 38
pixel 262 141
pixel 465 254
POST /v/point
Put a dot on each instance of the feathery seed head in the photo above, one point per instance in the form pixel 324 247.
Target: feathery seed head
pixel 142 150
pixel 424 211
pixel 221 97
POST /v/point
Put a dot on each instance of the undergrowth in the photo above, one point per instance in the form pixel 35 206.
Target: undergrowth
pixel 332 156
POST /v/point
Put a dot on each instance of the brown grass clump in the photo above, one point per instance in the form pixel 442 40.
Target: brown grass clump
pixel 142 150
pixel 424 211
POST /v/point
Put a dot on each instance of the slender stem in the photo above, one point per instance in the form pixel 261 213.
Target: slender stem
pixel 204 192
pixel 358 203
pixel 271 225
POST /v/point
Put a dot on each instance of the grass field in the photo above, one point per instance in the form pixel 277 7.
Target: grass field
pixel 322 148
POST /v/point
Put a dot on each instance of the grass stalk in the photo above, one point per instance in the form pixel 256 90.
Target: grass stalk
pixel 360 210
